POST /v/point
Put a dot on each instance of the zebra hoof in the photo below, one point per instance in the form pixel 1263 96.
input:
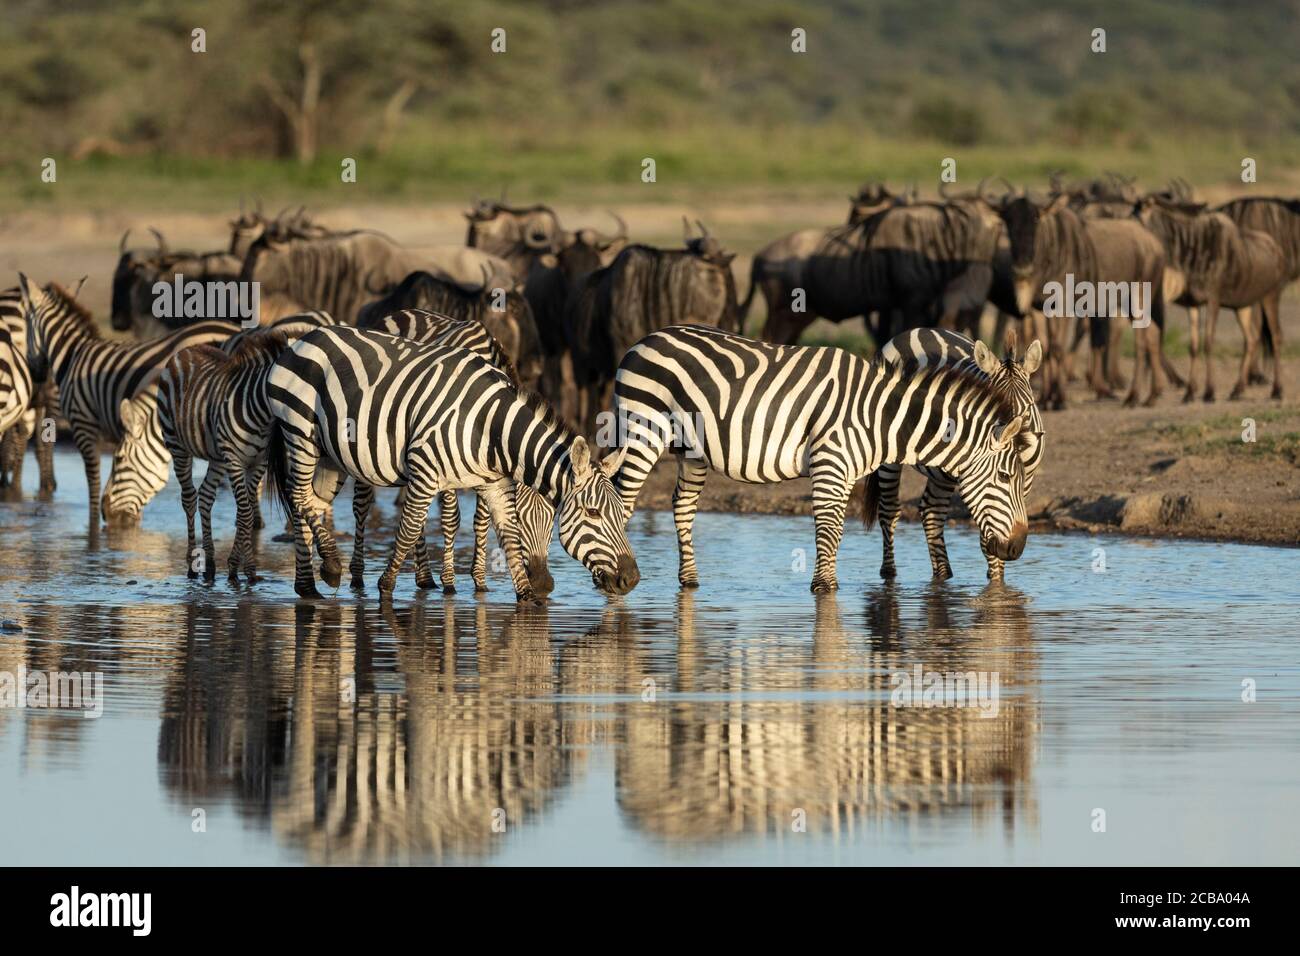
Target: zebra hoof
pixel 942 574
pixel 824 587
pixel 689 583
pixel 307 591
pixel 358 583
pixel 480 587
pixel 528 596
pixel 427 584
pixel 192 574
pixel 888 572
pixel 386 583
pixel 331 572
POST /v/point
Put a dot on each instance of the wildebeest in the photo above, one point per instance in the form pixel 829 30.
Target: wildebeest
pixel 1051 243
pixel 1212 262
pixel 642 290
pixel 518 234
pixel 138 270
pixel 778 269
pixel 914 263
pixel 342 271
pixel 552 279
pixel 503 311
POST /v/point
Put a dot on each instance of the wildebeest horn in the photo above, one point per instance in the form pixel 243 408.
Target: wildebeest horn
pixel 704 232
pixel 121 246
pixel 622 226
pixel 162 243
pixel 80 282
pixel 686 229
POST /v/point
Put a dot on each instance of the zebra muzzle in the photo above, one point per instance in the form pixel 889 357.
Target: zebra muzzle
pixel 623 579
pixel 1010 548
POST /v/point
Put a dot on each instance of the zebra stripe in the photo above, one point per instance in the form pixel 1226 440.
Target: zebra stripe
pixel 759 412
pixel 535 513
pixel 23 402
pixel 388 411
pixel 938 347
pixel 95 378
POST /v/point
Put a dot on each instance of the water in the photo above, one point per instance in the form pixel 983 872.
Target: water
pixel 748 722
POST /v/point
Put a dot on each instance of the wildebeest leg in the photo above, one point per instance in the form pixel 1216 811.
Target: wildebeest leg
pixel 1082 328
pixel 1193 349
pixel 1211 320
pixel 1114 378
pixel 1141 359
pixel 1245 319
pixel 1269 307
pixel 887 480
pixel 691 474
pixel 44 408
pixel 1058 327
pixel 450 507
pixel 1098 352
pixel 363 496
pixel 934 515
pixel 830 489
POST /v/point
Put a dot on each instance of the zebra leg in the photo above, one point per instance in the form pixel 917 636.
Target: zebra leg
pixel 241 555
pixel 500 501
pixel 207 494
pixel 184 466
pixel 887 479
pixel 84 435
pixel 331 568
pixel 830 499
pixel 363 496
pixel 420 490
pixel 44 449
pixel 479 569
pixel 691 474
pixel 450 525
pixel 423 570
pixel 934 516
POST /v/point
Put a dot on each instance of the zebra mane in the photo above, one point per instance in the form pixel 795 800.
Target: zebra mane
pixel 75 309
pixel 262 345
pixel 968 377
pixel 545 411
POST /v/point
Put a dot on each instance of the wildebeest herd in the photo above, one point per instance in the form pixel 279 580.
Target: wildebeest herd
pixel 492 366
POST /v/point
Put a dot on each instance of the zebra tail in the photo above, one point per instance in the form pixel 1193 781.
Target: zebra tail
pixel 871 500
pixel 277 470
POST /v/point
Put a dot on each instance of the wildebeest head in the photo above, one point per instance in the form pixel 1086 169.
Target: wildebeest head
pixel 513 232
pixel 1023 217
pixel 705 246
pixel 509 318
pixel 137 269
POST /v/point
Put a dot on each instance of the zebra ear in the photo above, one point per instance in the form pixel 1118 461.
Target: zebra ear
pixel 1001 442
pixel 985 359
pixel 1033 357
pixel 611 463
pixel 126 412
pixel 580 459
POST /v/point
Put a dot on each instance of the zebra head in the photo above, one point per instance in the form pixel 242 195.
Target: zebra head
pixel 1010 377
pixel 536 517
pixel 140 462
pixel 38 309
pixel 992 483
pixel 592 522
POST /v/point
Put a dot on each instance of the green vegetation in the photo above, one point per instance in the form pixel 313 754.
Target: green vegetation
pixel 1223 433
pixel 413 91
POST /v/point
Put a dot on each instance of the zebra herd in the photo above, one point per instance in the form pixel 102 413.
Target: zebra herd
pixel 434 403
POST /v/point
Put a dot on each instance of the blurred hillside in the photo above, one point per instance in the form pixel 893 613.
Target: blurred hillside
pixel 413 91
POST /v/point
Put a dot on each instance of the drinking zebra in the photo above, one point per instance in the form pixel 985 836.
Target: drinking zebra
pixel 95 378
pixel 209 403
pixel 760 413
pixel 535 513
pixel 388 412
pixel 22 402
pixel 1009 377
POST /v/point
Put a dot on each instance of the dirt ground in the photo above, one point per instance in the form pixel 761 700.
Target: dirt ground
pixel 1176 470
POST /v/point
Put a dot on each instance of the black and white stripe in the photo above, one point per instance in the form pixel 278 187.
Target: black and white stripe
pixel 535 513
pixel 391 412
pixel 95 378
pixel 1010 377
pixel 760 413
pixel 23 402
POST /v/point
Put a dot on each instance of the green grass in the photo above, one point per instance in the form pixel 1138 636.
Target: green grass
pixel 601 164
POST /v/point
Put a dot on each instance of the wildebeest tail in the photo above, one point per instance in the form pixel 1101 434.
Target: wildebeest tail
pixel 277 470
pixel 755 270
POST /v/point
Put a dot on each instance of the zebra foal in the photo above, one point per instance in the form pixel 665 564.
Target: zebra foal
pixel 387 412
pixel 761 413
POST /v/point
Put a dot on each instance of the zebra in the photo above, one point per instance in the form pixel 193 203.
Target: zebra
pixel 1010 377
pixel 22 401
pixel 237 410
pixel 95 380
pixel 536 514
pixel 388 411
pixel 759 413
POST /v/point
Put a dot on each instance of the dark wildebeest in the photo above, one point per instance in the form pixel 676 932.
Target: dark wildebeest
pixel 642 290
pixel 341 272
pixel 1212 263
pixel 503 311
pixel 518 234
pixel 551 281
pixel 918 264
pixel 1113 262
pixel 778 268
pixel 139 269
